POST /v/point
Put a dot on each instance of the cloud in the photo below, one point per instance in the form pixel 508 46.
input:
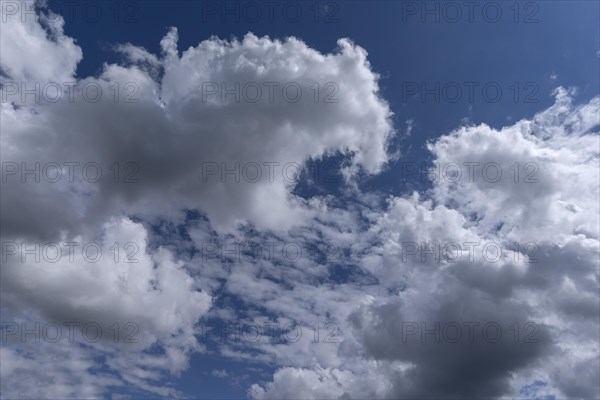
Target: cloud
pixel 147 129
pixel 536 179
pixel 105 283
pixel 307 384
pixel 166 143
pixel 181 133
pixel 400 332
pixel 26 36
pixel 124 300
pixel 31 371
pixel 219 373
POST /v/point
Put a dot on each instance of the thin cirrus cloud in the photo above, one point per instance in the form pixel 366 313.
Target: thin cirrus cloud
pixel 172 132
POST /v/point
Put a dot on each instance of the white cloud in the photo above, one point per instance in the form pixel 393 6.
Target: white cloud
pixel 172 130
pixel 169 132
pixel 219 373
pixel 135 297
pixel 26 36
pixel 559 214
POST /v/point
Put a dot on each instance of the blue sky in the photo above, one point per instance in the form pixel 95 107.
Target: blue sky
pixel 398 78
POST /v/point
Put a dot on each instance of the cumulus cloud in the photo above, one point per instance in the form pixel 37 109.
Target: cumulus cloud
pixel 166 143
pixel 148 128
pixel 117 293
pixel 537 179
pixel 182 132
pixel 431 295
pixel 105 283
pixel 29 35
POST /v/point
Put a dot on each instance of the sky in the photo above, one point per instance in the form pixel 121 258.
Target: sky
pixel 300 200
